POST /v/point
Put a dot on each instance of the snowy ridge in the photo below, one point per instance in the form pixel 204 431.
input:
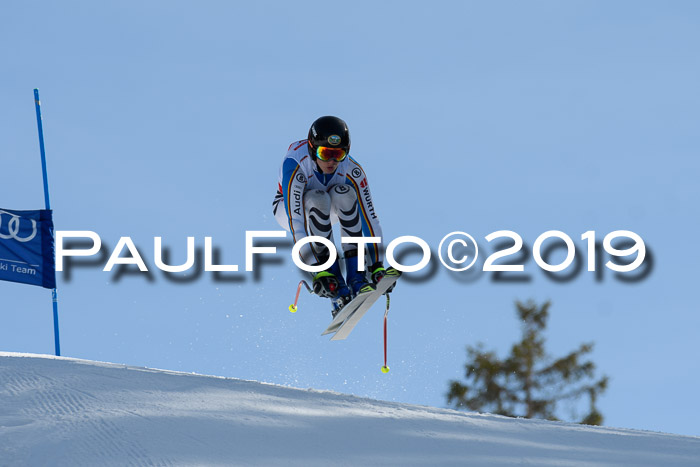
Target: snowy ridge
pixel 69 412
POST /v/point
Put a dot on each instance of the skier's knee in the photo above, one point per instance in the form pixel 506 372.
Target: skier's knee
pixel 343 197
pixel 317 199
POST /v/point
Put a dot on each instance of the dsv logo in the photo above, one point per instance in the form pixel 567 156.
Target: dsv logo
pixel 13 227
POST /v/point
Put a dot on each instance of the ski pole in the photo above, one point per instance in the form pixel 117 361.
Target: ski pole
pixel 293 307
pixel 385 368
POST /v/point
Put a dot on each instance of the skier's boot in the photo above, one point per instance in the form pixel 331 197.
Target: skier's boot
pixel 377 272
pixel 330 284
pixel 356 280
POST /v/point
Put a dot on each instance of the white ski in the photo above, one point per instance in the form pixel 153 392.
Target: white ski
pixel 349 324
pixel 346 311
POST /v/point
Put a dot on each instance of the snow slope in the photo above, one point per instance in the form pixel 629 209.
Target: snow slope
pixel 68 412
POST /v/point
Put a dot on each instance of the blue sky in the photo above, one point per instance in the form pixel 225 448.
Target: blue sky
pixel 171 119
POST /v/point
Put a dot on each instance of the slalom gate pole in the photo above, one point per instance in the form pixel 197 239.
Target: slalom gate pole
pixel 54 295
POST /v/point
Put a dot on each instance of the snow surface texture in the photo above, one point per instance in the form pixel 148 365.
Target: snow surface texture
pixel 69 412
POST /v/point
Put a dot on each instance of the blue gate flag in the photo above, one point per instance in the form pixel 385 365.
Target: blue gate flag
pixel 27 247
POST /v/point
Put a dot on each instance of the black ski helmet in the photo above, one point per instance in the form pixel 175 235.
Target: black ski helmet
pixel 330 132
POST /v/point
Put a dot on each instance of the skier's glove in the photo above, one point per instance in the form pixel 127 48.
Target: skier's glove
pixel 378 272
pixel 325 284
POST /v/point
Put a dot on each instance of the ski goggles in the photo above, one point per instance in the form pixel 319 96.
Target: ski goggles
pixel 331 154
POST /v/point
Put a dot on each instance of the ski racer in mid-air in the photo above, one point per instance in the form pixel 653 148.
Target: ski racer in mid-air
pixel 320 185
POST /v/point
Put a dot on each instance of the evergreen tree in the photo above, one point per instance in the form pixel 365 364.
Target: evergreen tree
pixel 528 383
